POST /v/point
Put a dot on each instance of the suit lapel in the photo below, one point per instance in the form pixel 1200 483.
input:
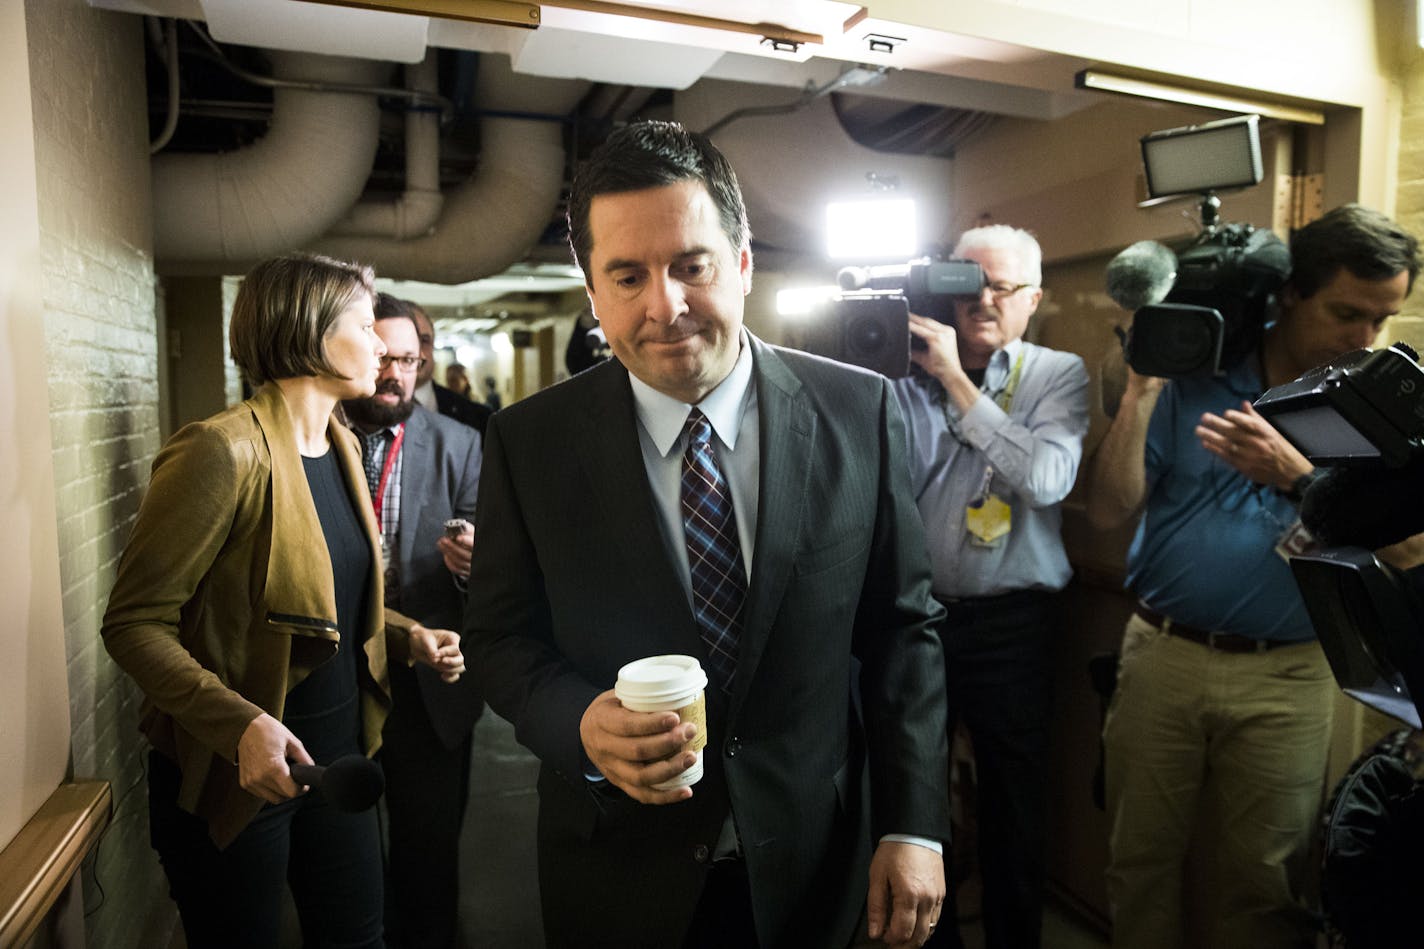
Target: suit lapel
pixel 788 433
pixel 416 474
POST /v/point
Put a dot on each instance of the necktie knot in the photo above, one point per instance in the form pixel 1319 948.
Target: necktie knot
pixel 697 428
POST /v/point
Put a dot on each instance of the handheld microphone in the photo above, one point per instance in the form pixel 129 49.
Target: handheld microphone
pixel 1141 275
pixel 351 783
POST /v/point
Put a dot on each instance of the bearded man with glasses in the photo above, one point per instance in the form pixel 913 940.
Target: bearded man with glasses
pixel 423 469
pixel 996 428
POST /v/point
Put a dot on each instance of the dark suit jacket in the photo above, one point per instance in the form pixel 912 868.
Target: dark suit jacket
pixel 455 406
pixel 571 579
pixel 440 478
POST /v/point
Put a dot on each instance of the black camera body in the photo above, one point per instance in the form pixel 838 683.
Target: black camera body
pixel 1362 416
pixel 867 324
pixel 1223 292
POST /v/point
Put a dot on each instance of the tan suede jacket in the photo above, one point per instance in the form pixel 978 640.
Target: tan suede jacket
pixel 224 599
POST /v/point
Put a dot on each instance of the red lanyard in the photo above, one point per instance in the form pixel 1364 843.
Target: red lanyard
pixel 379 500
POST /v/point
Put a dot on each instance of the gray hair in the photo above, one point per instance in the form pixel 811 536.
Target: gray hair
pixel 1015 240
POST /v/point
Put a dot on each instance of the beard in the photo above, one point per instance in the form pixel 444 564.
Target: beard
pixel 372 415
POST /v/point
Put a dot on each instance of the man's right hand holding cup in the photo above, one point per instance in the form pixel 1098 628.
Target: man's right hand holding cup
pixel 636 750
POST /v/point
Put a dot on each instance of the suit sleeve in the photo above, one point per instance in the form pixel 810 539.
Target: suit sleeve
pixel 902 660
pixel 468 489
pixel 508 631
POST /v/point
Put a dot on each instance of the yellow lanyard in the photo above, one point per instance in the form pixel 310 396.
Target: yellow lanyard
pixel 1005 398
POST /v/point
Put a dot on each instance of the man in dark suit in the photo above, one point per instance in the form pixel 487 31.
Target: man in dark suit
pixel 423 470
pixel 429 393
pixel 606 503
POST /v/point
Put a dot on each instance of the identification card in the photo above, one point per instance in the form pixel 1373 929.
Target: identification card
pixel 1297 540
pixel 988 521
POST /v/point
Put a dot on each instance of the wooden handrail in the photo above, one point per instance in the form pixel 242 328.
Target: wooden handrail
pixel 44 856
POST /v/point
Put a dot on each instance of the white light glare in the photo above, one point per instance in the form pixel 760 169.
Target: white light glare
pixel 501 344
pixel 871 229
pixel 799 301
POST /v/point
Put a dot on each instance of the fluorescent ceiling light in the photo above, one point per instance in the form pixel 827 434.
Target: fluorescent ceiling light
pixel 1147 89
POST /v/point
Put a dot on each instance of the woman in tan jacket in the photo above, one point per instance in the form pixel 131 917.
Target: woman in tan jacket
pixel 248 607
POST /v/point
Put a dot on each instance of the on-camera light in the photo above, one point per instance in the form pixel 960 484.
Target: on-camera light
pixel 1202 158
pixel 871 228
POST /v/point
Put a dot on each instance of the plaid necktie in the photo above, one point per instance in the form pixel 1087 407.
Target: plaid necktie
pixel 714 557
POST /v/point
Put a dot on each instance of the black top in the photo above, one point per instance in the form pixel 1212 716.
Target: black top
pixel 324 709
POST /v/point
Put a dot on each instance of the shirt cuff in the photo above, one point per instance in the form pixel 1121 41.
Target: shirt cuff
pixel 925 842
pixel 983 419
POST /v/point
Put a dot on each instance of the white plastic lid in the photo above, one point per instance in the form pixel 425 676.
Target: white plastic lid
pixel 659 679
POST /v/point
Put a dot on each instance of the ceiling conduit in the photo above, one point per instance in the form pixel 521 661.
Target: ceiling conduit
pixel 227 211
pixel 494 219
pixel 418 207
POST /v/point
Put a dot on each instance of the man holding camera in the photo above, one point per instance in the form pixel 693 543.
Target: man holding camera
pixel 423 470
pixel 996 430
pixel 1224 696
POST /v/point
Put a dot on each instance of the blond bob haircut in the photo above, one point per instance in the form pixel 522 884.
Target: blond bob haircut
pixel 286 307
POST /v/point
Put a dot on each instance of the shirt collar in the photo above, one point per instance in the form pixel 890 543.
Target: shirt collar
pixel 425 395
pixel 664 417
pixel 996 374
pixel 391 430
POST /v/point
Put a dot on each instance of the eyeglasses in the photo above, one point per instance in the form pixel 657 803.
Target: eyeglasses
pixel 1002 288
pixel 405 363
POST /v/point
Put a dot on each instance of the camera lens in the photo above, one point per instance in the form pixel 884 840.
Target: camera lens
pixel 865 337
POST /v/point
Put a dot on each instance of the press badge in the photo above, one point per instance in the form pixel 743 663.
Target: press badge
pixel 1296 541
pixel 988 518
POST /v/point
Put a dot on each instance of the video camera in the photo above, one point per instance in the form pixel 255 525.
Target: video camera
pixel 1363 416
pixel 1202 310
pixel 867 324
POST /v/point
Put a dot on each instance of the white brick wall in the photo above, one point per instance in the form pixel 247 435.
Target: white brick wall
pixel 1409 200
pixel 91 156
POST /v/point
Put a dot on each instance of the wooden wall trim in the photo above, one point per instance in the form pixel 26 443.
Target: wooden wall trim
pixel 44 856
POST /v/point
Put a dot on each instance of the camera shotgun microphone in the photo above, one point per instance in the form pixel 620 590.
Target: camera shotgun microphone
pixel 889 277
pixel 351 783
pixel 1141 275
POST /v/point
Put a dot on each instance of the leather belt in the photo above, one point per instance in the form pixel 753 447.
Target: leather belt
pixel 1222 642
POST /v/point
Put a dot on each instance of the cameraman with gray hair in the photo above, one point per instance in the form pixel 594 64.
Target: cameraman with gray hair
pixel 1223 692
pixel 996 428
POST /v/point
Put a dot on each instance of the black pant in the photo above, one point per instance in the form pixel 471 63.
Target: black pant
pixel 427 791
pixel 723 919
pixel 998 674
pixel 232 898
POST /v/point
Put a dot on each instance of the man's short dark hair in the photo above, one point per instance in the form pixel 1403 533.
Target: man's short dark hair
pixel 1353 237
pixel 284 310
pixel 388 307
pixel 651 155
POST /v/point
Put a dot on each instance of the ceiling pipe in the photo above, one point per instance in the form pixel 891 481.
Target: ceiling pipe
pixel 216 213
pixel 417 209
pixel 495 218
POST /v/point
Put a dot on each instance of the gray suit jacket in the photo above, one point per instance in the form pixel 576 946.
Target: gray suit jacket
pixel 440 478
pixel 571 579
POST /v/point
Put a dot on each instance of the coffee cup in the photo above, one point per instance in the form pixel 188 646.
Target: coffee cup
pixel 669 683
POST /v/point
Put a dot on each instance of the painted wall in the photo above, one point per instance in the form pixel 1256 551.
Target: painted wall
pixel 34 712
pixel 95 264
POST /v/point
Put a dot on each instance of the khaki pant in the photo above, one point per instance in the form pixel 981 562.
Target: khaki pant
pixel 1247 733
